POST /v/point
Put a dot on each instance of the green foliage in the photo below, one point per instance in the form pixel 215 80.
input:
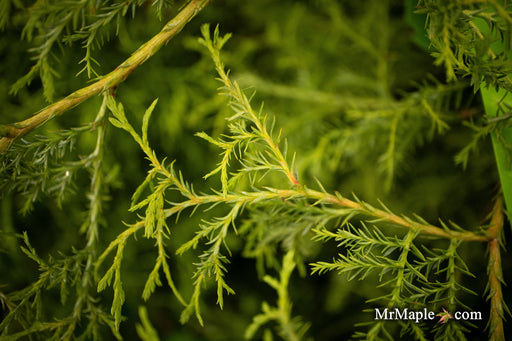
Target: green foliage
pixel 58 24
pixel 289 329
pixel 464 46
pixel 474 41
pixel 43 174
pixel 413 279
pixel 238 204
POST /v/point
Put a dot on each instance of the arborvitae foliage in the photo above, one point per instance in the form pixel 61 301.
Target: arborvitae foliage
pixel 143 205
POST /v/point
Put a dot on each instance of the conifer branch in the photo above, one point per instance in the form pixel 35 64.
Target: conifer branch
pixel 10 132
pixel 386 215
pixel 354 206
pixel 258 150
pixel 416 264
pixel 241 104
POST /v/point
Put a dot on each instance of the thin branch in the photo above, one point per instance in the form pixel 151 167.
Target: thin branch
pixel 10 132
pixel 383 215
pixel 496 330
pixel 322 197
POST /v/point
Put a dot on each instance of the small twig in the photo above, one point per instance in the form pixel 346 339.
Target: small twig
pixel 496 330
pixel 398 220
pixel 10 132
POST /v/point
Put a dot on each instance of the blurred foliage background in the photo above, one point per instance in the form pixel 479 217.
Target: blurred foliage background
pixel 342 78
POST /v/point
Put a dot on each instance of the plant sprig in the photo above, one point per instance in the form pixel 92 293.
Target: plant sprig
pixel 254 147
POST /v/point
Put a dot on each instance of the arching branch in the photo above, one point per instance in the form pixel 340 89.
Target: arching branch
pixel 10 132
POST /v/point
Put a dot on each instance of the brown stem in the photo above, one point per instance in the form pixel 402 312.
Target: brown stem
pixel 496 331
pixel 306 193
pixel 10 132
pixel 398 220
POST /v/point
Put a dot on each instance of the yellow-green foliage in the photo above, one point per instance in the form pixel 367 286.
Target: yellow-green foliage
pixel 152 195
